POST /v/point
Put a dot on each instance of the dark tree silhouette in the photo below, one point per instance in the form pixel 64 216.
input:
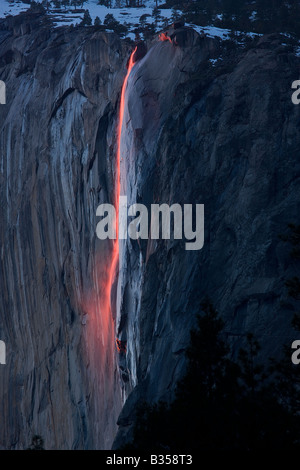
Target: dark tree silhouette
pixel 221 403
pixel 37 443
pixel 86 20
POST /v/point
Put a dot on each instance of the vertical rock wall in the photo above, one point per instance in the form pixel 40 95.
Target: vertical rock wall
pixel 56 166
pixel 223 135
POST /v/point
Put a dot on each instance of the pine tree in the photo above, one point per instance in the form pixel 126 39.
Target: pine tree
pixel 156 13
pixel 97 21
pixel 86 20
pixel 37 443
pixel 110 21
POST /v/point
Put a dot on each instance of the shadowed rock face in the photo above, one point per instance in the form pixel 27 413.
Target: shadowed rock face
pixel 140 52
pixel 225 136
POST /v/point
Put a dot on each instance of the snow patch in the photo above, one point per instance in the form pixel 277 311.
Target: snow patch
pixel 214 61
pixel 129 15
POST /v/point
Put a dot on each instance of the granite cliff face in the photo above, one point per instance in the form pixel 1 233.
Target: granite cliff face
pixel 62 93
pixel 223 135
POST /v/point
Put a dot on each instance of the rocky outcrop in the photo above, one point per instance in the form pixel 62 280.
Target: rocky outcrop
pixel 61 379
pixel 223 135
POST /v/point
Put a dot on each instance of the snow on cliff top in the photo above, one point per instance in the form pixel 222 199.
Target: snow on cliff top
pixel 128 15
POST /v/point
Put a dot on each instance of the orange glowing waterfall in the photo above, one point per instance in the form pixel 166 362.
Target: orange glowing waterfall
pixel 96 303
pixel 115 253
pixel 120 126
pixel 164 37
